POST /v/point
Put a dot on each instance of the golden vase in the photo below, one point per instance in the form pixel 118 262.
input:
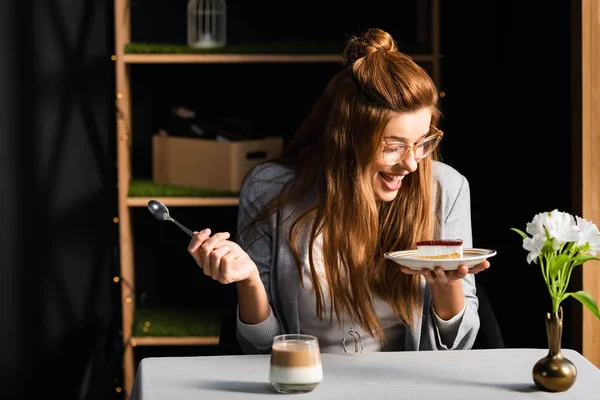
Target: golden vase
pixel 554 372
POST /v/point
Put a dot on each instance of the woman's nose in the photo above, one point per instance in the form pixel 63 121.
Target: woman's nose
pixel 409 163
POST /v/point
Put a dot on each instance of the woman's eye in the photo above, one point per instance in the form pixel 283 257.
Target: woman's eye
pixel 393 149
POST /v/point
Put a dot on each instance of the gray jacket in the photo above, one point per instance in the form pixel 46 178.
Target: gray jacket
pixel 267 246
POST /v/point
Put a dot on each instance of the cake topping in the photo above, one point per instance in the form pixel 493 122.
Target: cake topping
pixel 440 242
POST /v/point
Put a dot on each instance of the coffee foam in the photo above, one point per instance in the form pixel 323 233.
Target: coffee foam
pixel 295 354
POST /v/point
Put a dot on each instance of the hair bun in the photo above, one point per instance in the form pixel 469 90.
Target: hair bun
pixel 371 41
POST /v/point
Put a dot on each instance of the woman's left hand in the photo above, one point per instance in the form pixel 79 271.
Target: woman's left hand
pixel 442 277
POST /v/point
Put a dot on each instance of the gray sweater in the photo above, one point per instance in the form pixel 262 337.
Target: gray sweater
pixel 266 244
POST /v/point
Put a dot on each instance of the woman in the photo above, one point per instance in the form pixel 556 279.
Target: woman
pixel 359 178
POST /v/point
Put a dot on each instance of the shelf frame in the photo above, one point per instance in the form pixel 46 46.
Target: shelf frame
pixel 229 58
pixel 122 26
pixel 124 129
pixel 247 58
pixel 174 341
pixel 185 201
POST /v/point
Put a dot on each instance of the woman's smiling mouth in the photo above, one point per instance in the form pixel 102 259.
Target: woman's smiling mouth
pixel 391 181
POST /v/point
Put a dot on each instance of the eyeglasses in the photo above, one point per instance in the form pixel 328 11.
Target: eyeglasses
pixel 394 152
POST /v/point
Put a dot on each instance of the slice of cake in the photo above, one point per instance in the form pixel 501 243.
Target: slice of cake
pixel 440 249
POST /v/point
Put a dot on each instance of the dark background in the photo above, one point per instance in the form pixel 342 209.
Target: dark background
pixel 506 75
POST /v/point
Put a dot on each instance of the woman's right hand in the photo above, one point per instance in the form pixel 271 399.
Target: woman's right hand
pixel 222 259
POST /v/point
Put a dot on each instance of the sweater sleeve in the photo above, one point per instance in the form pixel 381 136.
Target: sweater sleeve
pixel 256 238
pixel 449 328
pixel 456 210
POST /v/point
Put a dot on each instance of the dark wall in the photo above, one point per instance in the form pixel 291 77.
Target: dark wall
pixel 12 274
pixel 506 77
pixel 272 20
pixel 58 199
pixel 506 74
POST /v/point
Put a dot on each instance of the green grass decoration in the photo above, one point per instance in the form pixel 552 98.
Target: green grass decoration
pixel 171 322
pixel 254 48
pixel 148 188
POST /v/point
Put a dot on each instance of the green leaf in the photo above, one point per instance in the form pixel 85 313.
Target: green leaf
pixel 523 234
pixel 557 264
pixel 548 248
pixel 587 300
pixel 581 259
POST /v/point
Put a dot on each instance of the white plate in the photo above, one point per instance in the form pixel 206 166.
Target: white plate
pixel 408 258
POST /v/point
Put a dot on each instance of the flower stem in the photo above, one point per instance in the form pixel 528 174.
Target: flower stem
pixel 555 286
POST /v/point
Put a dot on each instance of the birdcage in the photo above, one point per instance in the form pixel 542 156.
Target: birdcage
pixel 206 23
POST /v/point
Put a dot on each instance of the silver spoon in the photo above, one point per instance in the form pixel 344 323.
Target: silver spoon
pixel 161 212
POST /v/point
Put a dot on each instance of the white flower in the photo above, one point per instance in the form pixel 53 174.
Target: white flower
pixel 589 235
pixel 560 226
pixel 534 246
pixel 536 226
pixel 560 242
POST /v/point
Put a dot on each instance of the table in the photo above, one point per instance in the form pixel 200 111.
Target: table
pixel 464 374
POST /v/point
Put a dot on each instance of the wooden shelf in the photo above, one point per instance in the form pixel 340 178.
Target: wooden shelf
pixel 243 58
pixel 144 327
pixel 174 341
pixel 272 52
pixel 175 327
pixel 229 58
pixel 184 201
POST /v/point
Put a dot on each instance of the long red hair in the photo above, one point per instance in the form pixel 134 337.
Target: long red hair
pixel 331 152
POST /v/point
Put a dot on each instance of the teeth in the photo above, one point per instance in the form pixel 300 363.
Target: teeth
pixel 392 178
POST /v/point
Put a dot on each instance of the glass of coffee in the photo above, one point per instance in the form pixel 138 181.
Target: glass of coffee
pixel 295 363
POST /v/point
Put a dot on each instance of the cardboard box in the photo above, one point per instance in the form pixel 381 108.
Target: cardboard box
pixel 209 164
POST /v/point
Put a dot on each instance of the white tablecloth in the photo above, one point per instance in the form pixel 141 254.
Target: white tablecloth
pixel 473 374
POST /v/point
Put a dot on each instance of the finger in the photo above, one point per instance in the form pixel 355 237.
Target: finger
pixel 233 246
pixel 197 240
pixel 229 270
pixel 485 264
pixel 462 271
pixel 219 251
pixel 207 269
pixel 411 271
pixel 195 243
pixel 214 240
pixel 479 267
pixel 430 276
pixel 440 275
pixel 209 245
pixel 216 261
pixel 476 270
